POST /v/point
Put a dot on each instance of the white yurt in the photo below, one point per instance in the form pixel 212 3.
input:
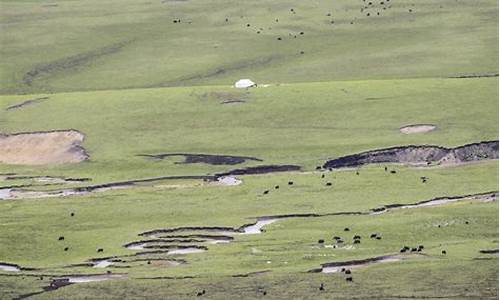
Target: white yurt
pixel 244 83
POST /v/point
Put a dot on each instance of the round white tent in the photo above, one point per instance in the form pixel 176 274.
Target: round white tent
pixel 244 83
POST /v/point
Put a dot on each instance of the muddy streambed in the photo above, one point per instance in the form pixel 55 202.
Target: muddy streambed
pixel 337 267
pixel 9 267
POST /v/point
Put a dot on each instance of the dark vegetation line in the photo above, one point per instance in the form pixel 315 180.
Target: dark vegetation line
pixel 192 158
pixel 262 61
pixel 71 62
pixel 476 75
pixel 26 103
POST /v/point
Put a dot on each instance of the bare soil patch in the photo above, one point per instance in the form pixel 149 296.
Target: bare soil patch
pixel 419 155
pixel 42 148
pixel 417 128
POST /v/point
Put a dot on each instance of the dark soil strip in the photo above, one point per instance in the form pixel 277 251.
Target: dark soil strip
pixel 247 171
pixel 41 131
pixel 26 103
pixel 174 247
pixel 389 206
pixel 359 262
pixel 489 251
pixel 201 236
pixel 425 154
pixel 251 274
pixel 133 182
pixel 233 101
pixel 205 158
pixel 188 228
pixel 477 75
pixel 260 170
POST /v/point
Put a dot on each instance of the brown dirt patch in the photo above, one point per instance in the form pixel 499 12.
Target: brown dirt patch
pixel 42 148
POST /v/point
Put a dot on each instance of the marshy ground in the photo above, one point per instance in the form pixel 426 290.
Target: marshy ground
pixel 364 165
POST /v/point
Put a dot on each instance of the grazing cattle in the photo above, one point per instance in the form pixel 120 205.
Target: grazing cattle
pixel 342 270
pixel 227 20
pixel 41 277
pixel 321 241
pixel 340 241
pixel 357 242
pixel 402 250
pixel 328 184
pixel 66 249
pixel 61 238
pixel 373 235
pixel 72 214
pixel 279 39
pixel 149 262
pixel 385 169
pixel 349 279
pixel 258 32
pixel 346 229
pixel 393 172
pixel 290 182
pixel 467 222
pixel 108 272
pixel 328 14
pixel 266 192
pixel 322 287
pixel 378 237
pixel 100 250
pixel 301 33
pixel 336 238
pixel 356 237
pixel 264 293
pixel 443 252
pixel 318 167
pixel 420 247
pixel 413 249
pixel 368 14
pixel 301 52
pixel 348 271
pixel 323 176
pixel 248 25
pixel 277 187
pixel 357 173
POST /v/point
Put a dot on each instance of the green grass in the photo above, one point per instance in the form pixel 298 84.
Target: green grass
pixel 303 124
pixel 126 44
pixel 134 82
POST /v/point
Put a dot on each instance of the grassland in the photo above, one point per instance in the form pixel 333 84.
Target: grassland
pixel 134 82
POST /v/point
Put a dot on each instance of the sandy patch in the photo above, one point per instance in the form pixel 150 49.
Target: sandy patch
pixel 228 180
pixel 42 148
pixel 418 128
